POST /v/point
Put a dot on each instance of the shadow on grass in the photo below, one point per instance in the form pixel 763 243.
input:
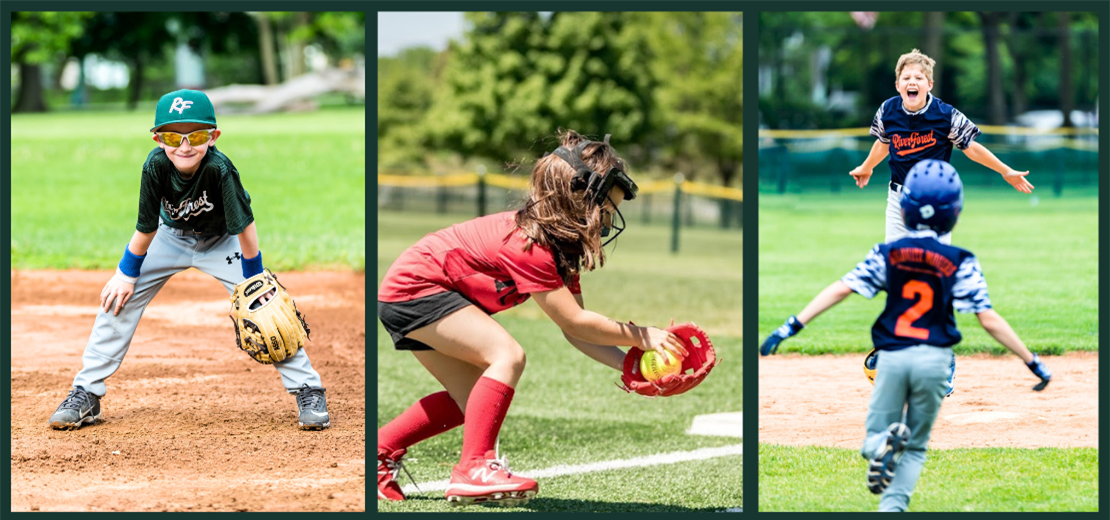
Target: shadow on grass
pixel 597 506
pixel 555 505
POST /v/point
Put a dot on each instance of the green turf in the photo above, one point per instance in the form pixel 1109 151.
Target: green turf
pixel 1040 262
pixel 567 409
pixel 75 185
pixel 981 479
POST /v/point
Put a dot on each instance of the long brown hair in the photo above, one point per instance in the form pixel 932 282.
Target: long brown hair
pixel 562 219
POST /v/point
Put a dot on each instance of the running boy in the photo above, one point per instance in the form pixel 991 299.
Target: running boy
pixel 925 281
pixel 437 298
pixel 914 126
pixel 193 212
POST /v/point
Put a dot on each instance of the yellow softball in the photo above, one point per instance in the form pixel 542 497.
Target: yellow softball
pixel 652 365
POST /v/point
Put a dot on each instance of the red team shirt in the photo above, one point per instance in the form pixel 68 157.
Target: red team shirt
pixel 482 259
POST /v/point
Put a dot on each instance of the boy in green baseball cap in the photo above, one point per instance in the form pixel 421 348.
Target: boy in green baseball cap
pixel 193 212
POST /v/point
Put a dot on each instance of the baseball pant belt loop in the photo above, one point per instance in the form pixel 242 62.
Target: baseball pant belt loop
pixel 894 186
pixel 188 233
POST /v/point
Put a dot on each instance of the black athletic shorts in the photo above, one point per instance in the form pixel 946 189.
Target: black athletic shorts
pixel 401 318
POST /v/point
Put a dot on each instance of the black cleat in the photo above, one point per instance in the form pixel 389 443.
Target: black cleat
pixel 880 472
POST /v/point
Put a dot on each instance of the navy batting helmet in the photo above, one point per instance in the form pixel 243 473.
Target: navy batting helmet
pixel 932 196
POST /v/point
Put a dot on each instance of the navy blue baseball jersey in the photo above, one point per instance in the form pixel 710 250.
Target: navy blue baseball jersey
pixel 928 133
pixel 924 280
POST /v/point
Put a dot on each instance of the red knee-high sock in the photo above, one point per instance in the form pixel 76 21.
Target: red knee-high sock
pixel 425 419
pixel 485 411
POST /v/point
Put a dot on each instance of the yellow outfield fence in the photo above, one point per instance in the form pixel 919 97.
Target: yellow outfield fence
pixel 1061 159
pixel 521 183
pixel 680 202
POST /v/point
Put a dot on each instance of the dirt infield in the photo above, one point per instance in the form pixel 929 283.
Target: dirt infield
pixel 190 422
pixel 822 400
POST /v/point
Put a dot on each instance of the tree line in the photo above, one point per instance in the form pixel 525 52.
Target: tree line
pixel 992 65
pixel 258 48
pixel 667 86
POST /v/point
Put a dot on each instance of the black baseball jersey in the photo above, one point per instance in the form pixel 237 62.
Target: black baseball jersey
pixel 212 201
pixel 929 133
pixel 925 281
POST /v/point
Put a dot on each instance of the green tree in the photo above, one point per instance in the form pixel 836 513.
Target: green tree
pixel 517 77
pixel 338 33
pixel 698 60
pixel 405 87
pixel 133 38
pixel 39 38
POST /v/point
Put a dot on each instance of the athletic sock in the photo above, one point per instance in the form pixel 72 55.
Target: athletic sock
pixel 428 417
pixel 485 411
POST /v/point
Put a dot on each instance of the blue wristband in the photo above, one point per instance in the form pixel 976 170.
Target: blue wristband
pixel 252 266
pixel 131 263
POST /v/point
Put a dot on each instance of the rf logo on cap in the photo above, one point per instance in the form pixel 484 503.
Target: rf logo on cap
pixel 179 104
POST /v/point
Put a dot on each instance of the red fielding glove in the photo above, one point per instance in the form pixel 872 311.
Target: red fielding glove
pixel 697 364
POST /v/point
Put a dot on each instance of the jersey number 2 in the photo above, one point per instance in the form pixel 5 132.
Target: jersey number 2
pixel 904 327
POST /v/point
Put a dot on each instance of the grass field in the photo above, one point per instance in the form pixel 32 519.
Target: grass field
pixel 567 410
pixel 979 480
pixel 75 186
pixel 1041 265
pixel 1040 262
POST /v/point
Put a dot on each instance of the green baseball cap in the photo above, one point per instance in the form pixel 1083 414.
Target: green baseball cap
pixel 184 106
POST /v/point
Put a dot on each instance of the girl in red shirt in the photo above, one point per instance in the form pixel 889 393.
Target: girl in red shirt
pixel 437 297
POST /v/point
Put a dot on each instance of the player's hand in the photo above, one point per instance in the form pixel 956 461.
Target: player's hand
pixel 787 330
pixel 1018 181
pixel 117 291
pixel 861 175
pixel 1040 370
pixel 662 342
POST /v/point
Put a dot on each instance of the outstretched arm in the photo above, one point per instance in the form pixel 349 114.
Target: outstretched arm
pixel 997 327
pixel 607 355
pixel 862 173
pixel 980 154
pixel 1000 330
pixel 828 297
pixel 567 312
pixel 825 300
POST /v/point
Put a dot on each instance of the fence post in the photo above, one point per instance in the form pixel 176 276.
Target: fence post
pixel 1058 183
pixel 784 170
pixel 725 206
pixel 676 223
pixel 481 190
pixel 646 204
pixel 441 197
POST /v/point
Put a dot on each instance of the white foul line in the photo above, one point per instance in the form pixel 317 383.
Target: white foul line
pixel 561 470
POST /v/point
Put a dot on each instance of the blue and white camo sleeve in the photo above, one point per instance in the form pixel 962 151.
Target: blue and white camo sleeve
pixel 877 128
pixel 963 130
pixel 969 294
pixel 869 276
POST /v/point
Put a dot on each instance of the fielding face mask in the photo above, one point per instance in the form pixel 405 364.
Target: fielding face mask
pixel 598 186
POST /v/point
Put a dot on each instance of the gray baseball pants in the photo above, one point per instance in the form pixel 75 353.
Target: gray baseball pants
pixel 913 382
pixel 171 252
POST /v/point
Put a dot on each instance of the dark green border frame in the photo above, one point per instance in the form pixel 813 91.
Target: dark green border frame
pixel 752 9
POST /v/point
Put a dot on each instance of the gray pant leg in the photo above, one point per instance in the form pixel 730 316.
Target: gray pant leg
pixel 922 373
pixel 888 400
pixel 111 334
pixel 221 257
pixel 929 384
pixel 905 478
